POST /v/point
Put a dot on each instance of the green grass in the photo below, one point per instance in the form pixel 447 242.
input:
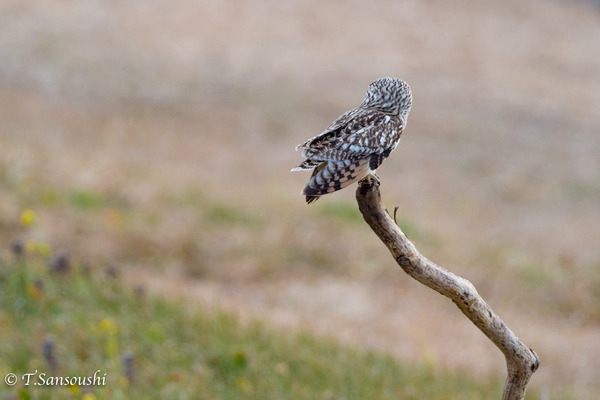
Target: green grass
pixel 182 351
pixel 345 211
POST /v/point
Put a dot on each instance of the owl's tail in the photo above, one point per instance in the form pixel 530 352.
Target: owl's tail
pixel 330 176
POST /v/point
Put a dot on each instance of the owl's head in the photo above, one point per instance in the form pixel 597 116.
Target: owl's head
pixel 389 95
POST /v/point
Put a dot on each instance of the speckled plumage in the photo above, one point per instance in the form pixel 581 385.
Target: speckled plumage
pixel 358 141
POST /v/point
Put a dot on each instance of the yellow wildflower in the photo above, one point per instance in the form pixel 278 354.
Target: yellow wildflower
pixel 34 291
pixel 244 384
pixel 28 218
pixel 108 325
pixel 33 246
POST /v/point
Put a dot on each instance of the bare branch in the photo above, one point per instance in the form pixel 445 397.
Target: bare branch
pixel 521 362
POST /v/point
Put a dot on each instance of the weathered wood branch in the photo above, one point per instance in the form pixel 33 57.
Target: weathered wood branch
pixel 521 361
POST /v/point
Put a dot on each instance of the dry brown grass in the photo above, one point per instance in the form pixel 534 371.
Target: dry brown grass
pixel 162 135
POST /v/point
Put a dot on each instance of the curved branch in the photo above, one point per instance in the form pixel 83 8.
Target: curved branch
pixel 521 361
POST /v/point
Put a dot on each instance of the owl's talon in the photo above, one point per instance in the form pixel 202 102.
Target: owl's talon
pixel 375 178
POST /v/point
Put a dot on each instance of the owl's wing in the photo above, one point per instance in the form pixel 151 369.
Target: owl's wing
pixel 354 135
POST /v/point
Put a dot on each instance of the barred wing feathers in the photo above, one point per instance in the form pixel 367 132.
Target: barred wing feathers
pixel 371 132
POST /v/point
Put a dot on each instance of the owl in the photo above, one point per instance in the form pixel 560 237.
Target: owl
pixel 356 143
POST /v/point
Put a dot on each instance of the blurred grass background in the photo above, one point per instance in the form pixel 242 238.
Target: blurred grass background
pixel 159 136
pixel 93 325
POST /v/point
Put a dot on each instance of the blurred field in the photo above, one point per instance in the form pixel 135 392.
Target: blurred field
pixel 159 136
pixel 131 345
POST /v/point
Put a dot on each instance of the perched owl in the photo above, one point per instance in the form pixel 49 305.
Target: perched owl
pixel 356 143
